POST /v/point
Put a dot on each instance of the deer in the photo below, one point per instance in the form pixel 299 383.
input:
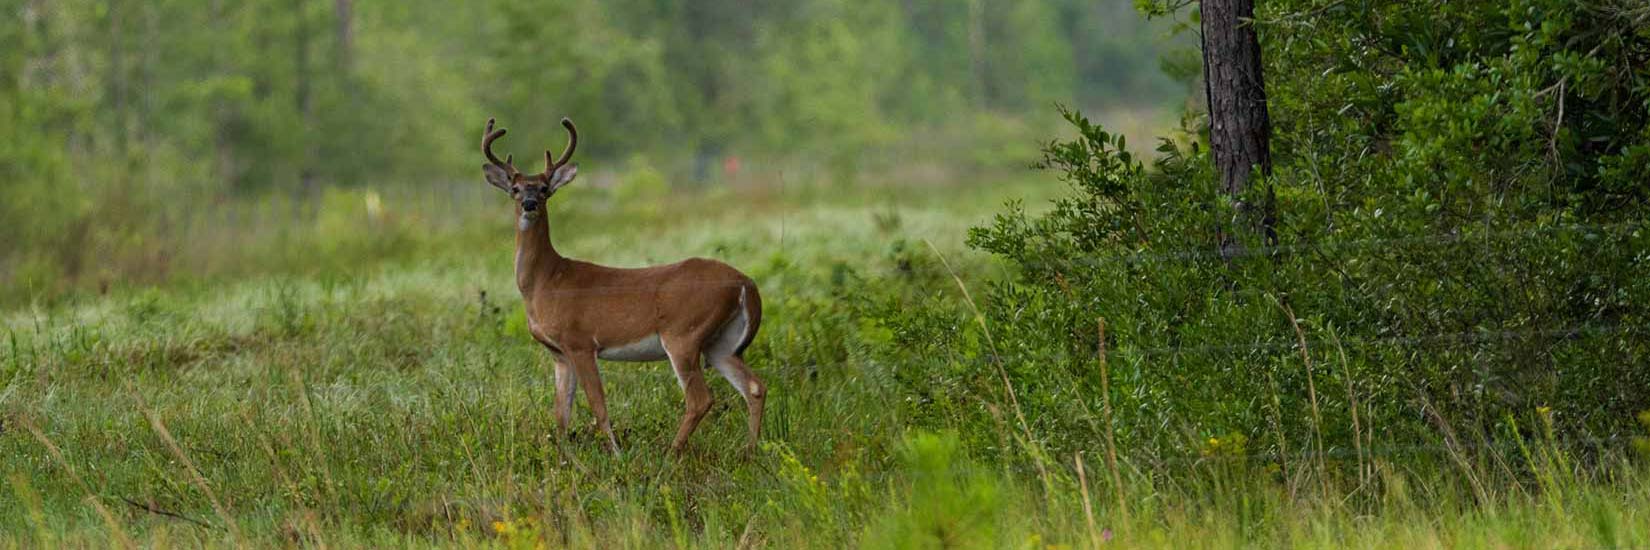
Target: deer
pixel 691 313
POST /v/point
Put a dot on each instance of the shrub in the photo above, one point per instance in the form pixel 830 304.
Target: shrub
pixel 1453 252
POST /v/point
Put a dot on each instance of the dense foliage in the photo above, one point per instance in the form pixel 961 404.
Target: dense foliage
pixel 1461 198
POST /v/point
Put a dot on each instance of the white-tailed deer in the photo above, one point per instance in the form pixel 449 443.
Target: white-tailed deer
pixel 583 312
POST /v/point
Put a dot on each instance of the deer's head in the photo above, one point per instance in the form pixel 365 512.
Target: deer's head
pixel 529 191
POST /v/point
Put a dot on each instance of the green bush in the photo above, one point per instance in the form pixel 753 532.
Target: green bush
pixel 1461 242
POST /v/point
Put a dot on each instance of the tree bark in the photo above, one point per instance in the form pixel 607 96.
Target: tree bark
pixel 302 97
pixel 117 73
pixel 1240 129
pixel 343 12
pixel 979 87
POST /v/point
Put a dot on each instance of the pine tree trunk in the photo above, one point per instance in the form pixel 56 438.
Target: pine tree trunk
pixel 117 73
pixel 976 54
pixel 1239 127
pixel 343 14
pixel 303 99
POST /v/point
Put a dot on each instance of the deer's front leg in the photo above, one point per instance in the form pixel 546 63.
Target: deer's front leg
pixel 584 368
pixel 566 389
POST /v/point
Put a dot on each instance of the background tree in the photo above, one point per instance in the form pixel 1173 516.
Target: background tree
pixel 1239 128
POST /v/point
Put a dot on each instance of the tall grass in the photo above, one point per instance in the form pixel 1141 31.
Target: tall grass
pixel 397 401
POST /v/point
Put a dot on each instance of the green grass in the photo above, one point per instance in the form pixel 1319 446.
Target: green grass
pixel 357 390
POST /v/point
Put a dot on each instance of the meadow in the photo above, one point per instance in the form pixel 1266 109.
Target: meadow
pixel 1020 288
pixel 380 390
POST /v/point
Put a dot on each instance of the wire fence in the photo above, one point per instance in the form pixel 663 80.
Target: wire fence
pixel 1282 343
pixel 1290 346
pixel 1124 255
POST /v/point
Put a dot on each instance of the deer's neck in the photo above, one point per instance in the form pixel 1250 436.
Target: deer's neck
pixel 536 259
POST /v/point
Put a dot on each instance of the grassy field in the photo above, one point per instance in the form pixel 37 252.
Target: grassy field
pixel 373 385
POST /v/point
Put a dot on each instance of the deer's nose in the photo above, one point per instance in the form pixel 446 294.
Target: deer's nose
pixel 530 205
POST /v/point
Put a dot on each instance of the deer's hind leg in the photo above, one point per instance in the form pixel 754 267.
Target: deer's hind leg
pixel 724 352
pixel 749 386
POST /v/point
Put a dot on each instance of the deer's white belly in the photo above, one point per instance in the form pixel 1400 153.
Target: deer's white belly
pixel 649 348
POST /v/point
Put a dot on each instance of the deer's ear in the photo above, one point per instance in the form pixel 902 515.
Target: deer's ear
pixel 496 176
pixel 563 176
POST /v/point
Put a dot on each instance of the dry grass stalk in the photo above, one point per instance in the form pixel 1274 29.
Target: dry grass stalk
pixel 1111 436
pixel 1311 395
pixel 195 476
pixel 115 531
pixel 1364 472
pixel 1039 457
pixel 1088 509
